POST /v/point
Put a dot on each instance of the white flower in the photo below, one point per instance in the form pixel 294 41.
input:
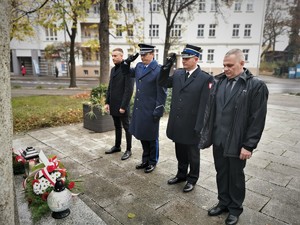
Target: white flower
pixel 41 186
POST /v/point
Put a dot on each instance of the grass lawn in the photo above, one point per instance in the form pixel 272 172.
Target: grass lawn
pixel 35 112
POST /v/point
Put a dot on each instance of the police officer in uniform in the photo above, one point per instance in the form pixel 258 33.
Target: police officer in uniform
pixel 148 107
pixel 191 88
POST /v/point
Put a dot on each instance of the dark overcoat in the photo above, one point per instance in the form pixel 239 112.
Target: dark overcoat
pixel 244 127
pixel 119 92
pixel 189 98
pixel 149 102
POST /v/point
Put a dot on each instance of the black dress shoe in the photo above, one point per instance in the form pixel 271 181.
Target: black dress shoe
pixel 231 220
pixel 188 187
pixel 217 210
pixel 141 166
pixel 176 180
pixel 149 168
pixel 126 155
pixel 113 150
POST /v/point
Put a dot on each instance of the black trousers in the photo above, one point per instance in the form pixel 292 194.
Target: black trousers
pixel 188 155
pixel 118 122
pixel 150 152
pixel 230 181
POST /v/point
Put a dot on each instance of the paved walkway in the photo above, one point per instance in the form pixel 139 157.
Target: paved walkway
pixel 114 188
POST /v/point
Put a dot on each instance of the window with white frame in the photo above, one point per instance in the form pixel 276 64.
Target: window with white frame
pixel 153 30
pixel 51 33
pixel 235 30
pixel 130 30
pixel 246 54
pixel 249 7
pixel 213 6
pixel 201 5
pixel 176 30
pixel 247 31
pixel 210 55
pixel 154 6
pixel 96 9
pixel 200 31
pixel 200 56
pixel 86 32
pixel 212 30
pixel 156 54
pixel 118 5
pixel 237 6
pixel 119 30
pixel 130 5
pixel 87 54
pixel 177 5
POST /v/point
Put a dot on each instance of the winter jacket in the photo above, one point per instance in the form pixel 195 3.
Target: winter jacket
pixel 250 108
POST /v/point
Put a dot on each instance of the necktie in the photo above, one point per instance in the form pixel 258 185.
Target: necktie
pixel 228 88
pixel 187 75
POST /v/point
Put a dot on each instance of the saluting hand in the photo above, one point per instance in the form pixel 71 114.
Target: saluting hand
pixel 131 58
pixel 169 61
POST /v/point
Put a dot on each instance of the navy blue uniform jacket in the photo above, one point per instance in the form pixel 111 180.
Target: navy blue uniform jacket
pixel 149 102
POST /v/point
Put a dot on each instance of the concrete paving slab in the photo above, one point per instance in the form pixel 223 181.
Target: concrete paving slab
pixel 286 212
pixel 113 188
pixel 80 212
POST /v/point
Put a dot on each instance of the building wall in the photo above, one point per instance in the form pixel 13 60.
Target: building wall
pixel 220 44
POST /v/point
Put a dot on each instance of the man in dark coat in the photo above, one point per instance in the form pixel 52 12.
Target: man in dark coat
pixel 117 102
pixel 148 107
pixel 189 97
pixel 234 122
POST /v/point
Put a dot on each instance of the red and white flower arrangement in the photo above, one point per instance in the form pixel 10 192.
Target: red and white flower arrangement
pixel 41 181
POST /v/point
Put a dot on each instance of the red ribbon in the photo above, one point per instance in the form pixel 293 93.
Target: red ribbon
pixel 53 164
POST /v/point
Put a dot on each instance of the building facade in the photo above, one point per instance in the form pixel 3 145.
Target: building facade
pixel 215 28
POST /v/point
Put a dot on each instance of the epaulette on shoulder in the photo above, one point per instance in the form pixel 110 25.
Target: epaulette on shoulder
pixel 180 69
pixel 206 72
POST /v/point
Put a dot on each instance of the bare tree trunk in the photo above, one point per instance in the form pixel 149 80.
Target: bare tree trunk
pixel 104 42
pixel 294 38
pixel 72 55
pixel 7 207
pixel 167 43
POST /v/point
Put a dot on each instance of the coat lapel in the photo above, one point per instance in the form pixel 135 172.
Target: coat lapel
pixel 235 89
pixel 149 68
pixel 116 72
pixel 185 83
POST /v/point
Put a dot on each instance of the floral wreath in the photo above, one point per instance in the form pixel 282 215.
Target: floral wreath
pixel 41 180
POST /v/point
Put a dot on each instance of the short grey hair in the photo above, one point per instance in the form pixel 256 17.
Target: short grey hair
pixel 237 52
